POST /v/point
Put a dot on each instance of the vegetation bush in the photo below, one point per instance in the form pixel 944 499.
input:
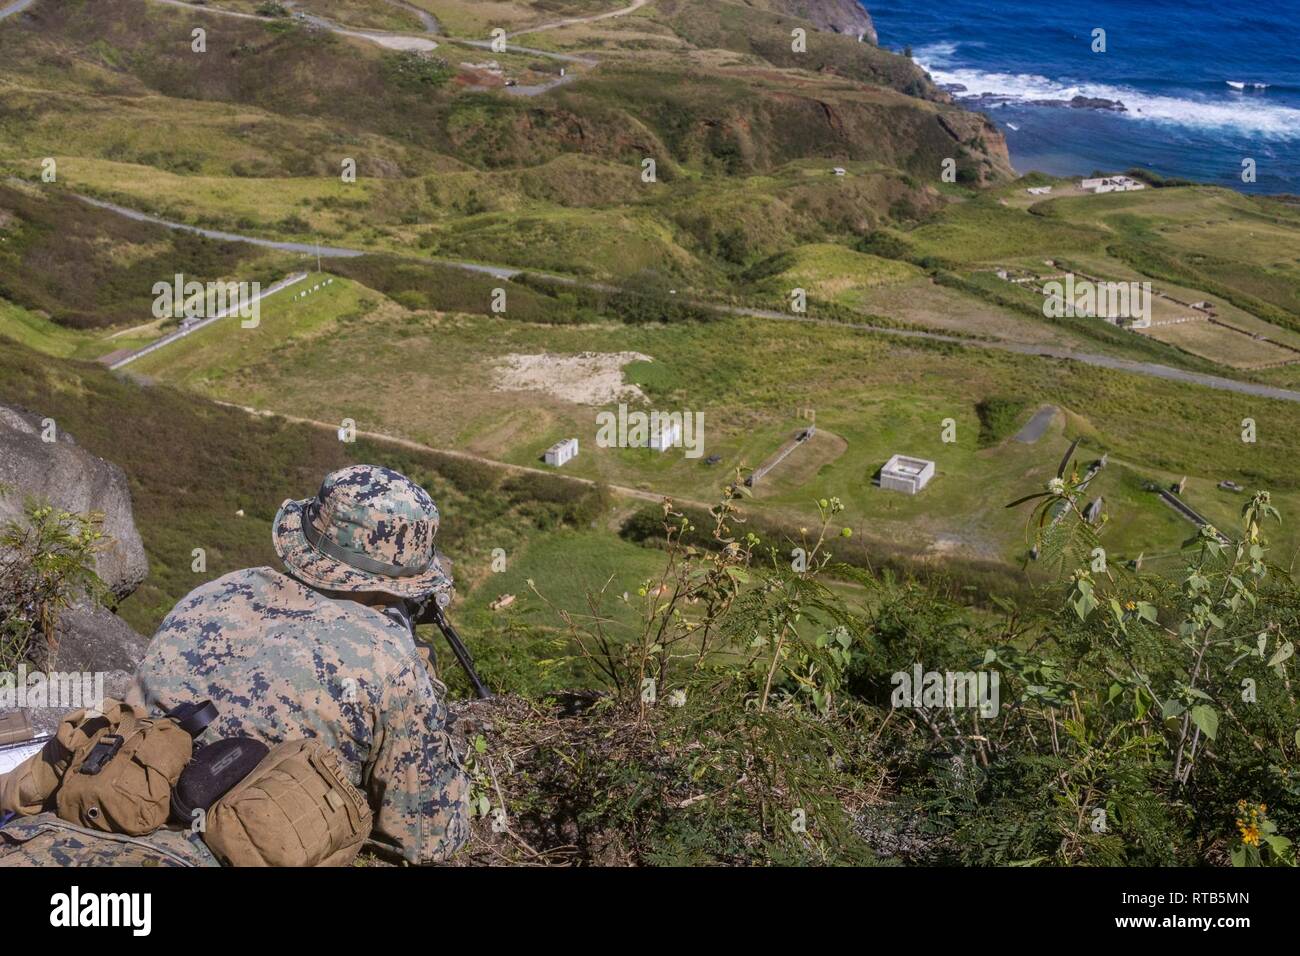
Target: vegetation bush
pixel 412 70
pixel 46 561
pixel 998 418
pixel 755 716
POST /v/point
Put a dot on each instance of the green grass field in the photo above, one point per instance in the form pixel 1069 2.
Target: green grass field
pixel 877 397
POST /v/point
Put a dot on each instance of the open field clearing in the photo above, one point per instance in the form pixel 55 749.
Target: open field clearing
pixel 840 275
pixel 1222 345
pixel 881 397
pixel 923 303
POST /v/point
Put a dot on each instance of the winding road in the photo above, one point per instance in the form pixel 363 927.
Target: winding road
pixel 11 9
pixel 393 41
pixel 1149 369
pixel 574 21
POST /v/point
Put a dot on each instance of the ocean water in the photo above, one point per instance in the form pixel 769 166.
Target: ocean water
pixel 1170 62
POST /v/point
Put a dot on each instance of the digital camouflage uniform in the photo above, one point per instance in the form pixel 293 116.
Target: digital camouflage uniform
pixel 281 660
pixel 46 840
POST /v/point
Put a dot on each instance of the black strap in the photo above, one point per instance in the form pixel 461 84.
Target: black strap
pixel 105 749
pixel 194 718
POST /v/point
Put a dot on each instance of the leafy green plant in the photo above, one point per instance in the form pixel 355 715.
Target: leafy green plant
pixel 46 561
pixel 736 670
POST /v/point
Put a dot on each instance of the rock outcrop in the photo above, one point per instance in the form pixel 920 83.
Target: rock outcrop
pixel 91 639
pixel 839 16
pixel 69 477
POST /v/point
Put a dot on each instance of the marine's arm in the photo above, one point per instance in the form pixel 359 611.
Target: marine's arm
pixel 417 783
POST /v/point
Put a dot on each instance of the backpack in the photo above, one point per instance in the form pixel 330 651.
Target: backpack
pixel 116 772
pixel 296 808
pixel 109 770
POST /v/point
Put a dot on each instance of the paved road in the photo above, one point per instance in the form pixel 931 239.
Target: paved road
pixel 427 19
pixel 187 330
pixel 1035 427
pixel 18 7
pixel 1148 369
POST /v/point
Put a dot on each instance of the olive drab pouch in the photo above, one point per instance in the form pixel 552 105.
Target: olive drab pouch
pixel 297 808
pixel 123 765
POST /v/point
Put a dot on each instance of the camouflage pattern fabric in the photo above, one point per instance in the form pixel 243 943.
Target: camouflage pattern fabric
pixel 367 529
pixel 46 840
pixel 282 661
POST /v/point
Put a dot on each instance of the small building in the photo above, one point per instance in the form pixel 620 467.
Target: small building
pixel 562 452
pixel 840 171
pixel 1112 184
pixel 667 436
pixel 908 475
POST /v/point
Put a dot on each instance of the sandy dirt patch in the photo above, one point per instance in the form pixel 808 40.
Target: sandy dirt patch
pixel 589 378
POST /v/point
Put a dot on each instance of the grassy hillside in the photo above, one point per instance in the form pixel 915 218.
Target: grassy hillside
pixel 273 108
pixel 86 267
pixel 193 465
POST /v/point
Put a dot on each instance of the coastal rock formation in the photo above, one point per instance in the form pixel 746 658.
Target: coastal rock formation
pixel 982 141
pixel 838 16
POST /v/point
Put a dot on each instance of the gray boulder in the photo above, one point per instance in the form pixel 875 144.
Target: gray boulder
pixel 91 639
pixel 70 478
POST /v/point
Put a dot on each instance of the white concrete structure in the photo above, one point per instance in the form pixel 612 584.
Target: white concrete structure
pixel 840 171
pixel 667 436
pixel 908 475
pixel 1112 184
pixel 1039 190
pixel 562 452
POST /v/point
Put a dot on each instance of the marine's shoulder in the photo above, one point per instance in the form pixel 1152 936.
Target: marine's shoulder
pixel 261 596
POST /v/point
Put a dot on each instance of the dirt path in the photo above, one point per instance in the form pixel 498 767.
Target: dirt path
pixel 574 21
pixel 621 490
pixel 393 41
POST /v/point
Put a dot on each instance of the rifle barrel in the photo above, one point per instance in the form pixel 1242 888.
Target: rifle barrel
pixel 462 653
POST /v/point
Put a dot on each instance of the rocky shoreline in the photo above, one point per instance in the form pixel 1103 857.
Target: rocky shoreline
pixel 988 100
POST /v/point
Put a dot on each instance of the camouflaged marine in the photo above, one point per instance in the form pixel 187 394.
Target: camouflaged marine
pixel 323 651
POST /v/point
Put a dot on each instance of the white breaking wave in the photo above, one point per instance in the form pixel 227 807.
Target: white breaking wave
pixel 1253 116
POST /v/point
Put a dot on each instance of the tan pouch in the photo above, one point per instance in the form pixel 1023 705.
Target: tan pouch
pixel 27 789
pixel 122 770
pixel 297 808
